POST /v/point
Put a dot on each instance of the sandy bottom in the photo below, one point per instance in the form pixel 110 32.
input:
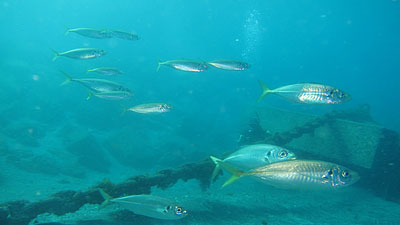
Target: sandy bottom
pixel 244 202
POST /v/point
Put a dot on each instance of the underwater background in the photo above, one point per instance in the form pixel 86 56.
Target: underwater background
pixel 53 139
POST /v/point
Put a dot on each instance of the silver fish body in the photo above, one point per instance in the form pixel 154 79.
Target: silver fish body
pixel 81 53
pixel 152 206
pixel 111 95
pixel 151 108
pixel 92 33
pixel 254 156
pixel 125 35
pixel 229 65
pixel 96 85
pixel 106 71
pixel 185 65
pixel 308 93
pixel 305 174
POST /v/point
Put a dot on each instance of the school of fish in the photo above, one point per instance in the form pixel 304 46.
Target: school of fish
pixel 270 164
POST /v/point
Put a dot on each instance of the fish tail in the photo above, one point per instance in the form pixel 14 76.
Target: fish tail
pixel 68 78
pixel 217 167
pixel 236 173
pixel 56 54
pixel 67 30
pixel 90 95
pixel 159 65
pixel 265 90
pixel 124 109
pixel 106 198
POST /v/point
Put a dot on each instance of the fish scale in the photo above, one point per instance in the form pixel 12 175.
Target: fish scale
pixel 298 174
pixel 308 93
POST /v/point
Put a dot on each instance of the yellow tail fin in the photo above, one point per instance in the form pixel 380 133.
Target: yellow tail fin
pixel 236 173
pixel 124 110
pixel 106 197
pixel 90 95
pixel 67 30
pixel 56 54
pixel 159 65
pixel 216 169
pixel 265 90
pixel 69 78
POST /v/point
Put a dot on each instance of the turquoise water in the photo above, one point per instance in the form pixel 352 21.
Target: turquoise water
pixel 53 134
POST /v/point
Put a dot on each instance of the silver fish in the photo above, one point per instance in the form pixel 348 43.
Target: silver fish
pixel 111 95
pixel 81 53
pixel 125 35
pixel 150 108
pixel 96 85
pixel 254 156
pixel 298 174
pixel 90 32
pixel 106 70
pixel 308 93
pixel 149 205
pixel 184 65
pixel 229 65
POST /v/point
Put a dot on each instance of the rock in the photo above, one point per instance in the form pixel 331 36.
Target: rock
pixel 130 147
pixel 145 149
pixel 90 154
pixel 46 163
pixel 334 136
pixel 342 141
pixel 26 133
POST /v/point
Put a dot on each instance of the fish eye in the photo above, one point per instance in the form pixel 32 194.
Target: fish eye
pixel 178 210
pixel 283 154
pixel 345 174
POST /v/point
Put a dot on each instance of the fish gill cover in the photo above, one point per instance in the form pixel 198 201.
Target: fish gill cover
pixel 200 100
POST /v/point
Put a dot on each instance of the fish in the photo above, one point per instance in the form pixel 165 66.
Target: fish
pixel 125 35
pixel 184 65
pixel 148 205
pixel 90 32
pixel 254 156
pixel 298 174
pixel 308 93
pixel 96 85
pixel 150 108
pixel 111 95
pixel 229 65
pixel 106 70
pixel 81 53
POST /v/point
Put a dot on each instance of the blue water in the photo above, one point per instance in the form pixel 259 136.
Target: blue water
pixel 350 45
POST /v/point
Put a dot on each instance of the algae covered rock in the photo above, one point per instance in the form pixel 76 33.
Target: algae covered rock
pixel 349 137
pixel 89 153
pixel 144 149
pixel 50 162
pixel 26 132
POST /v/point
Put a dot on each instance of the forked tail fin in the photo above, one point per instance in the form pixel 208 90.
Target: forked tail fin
pixel 56 54
pixel 67 30
pixel 90 95
pixel 124 110
pixel 69 78
pixel 106 197
pixel 265 90
pixel 159 65
pixel 217 167
pixel 236 173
